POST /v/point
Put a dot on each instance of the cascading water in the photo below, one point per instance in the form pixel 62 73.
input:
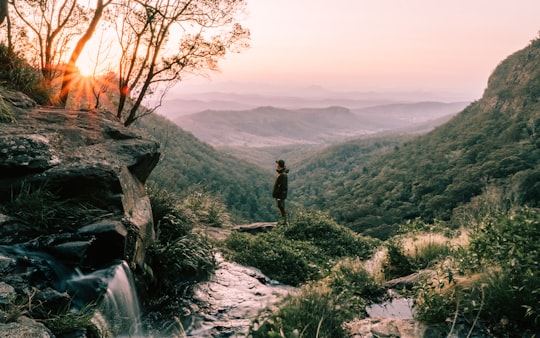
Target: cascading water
pixel 118 311
pixel 111 289
pixel 120 304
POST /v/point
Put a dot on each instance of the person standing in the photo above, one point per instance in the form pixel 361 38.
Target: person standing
pixel 280 187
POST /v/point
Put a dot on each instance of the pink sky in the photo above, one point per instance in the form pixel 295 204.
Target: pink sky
pixel 379 44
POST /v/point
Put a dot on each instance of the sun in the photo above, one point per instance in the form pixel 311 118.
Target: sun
pixel 86 67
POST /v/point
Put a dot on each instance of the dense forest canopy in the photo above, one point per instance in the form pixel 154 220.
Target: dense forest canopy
pixel 188 164
pixel 495 140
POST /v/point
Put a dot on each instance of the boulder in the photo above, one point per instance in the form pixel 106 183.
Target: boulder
pixel 25 327
pixel 87 156
pixel 91 171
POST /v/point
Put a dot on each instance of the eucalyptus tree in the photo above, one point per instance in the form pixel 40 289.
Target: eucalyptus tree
pixel 49 27
pixel 163 40
pixel 70 68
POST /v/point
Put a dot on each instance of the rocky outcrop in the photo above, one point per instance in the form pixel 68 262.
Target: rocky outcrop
pixel 87 160
pixel 83 156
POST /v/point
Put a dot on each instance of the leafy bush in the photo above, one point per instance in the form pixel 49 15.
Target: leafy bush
pixel 397 264
pixel 503 281
pixel 209 210
pixel 181 261
pixel 313 313
pixel 512 243
pixel 301 251
pixel 332 239
pixel 289 262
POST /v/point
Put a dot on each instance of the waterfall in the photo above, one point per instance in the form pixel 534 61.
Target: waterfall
pixel 118 311
pixel 111 289
pixel 120 304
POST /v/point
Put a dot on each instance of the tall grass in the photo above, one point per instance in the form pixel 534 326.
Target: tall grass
pixel 495 280
pixel 17 74
pixel 321 308
pixel 179 256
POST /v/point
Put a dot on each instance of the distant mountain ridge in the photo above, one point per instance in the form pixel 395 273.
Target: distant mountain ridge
pixel 270 126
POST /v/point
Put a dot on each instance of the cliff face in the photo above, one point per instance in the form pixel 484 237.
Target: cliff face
pixel 87 160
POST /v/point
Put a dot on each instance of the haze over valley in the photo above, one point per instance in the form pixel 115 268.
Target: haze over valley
pixel 257 127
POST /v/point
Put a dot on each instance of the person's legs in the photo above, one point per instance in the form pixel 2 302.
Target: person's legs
pixel 281 206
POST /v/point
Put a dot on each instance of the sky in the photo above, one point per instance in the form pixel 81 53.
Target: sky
pixel 378 45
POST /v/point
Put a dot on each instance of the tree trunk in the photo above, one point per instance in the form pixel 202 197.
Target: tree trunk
pixel 3 10
pixel 71 68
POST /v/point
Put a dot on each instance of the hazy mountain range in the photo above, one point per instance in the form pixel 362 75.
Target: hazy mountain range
pixel 269 126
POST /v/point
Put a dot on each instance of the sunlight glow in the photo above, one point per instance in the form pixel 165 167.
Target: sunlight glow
pixel 86 68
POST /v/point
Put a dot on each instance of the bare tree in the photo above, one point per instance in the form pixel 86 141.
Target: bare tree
pixel 204 31
pixel 53 23
pixel 70 68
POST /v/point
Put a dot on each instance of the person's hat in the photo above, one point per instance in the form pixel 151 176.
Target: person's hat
pixel 281 163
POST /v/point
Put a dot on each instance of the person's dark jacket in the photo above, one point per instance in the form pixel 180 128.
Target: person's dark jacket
pixel 281 184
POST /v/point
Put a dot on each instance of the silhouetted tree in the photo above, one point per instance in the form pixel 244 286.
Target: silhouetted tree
pixel 202 30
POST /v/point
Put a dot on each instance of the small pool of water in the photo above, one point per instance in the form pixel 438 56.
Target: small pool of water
pixel 397 308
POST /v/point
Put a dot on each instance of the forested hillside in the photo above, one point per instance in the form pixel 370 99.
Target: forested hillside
pixel 493 141
pixel 188 164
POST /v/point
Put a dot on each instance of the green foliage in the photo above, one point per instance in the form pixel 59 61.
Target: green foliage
pixel 503 281
pixel 512 243
pixel 301 251
pixel 69 322
pixel 431 304
pixel 180 261
pixel 289 262
pixel 17 74
pixel 178 256
pixel 209 209
pixel 323 232
pixel 59 320
pixel 320 309
pixel 352 283
pixel 315 313
pixel 397 263
pixel 189 165
pixel 377 184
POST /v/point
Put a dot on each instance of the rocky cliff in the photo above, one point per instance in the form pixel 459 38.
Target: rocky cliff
pixel 71 188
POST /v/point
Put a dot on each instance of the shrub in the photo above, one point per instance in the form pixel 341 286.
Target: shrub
pixel 321 308
pixel 209 209
pixel 289 262
pixel 17 74
pixel 354 285
pixel 163 202
pixel 178 256
pixel 397 264
pixel 301 251
pixel 313 313
pixel 332 239
pixel 511 242
pixel 181 261
pixel 503 282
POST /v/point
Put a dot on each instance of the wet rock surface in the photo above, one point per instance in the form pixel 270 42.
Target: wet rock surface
pixel 231 299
